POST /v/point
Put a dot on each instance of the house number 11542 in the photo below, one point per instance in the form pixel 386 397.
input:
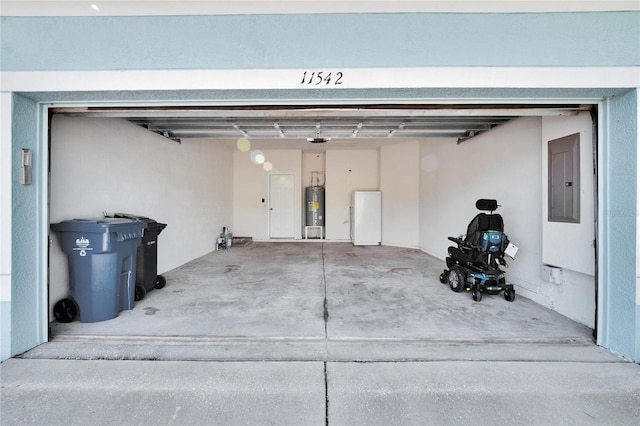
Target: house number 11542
pixel 317 78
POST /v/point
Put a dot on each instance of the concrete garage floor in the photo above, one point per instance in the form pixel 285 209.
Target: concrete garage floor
pixel 320 333
pixel 270 301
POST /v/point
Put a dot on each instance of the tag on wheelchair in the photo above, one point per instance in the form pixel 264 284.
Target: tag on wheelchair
pixel 511 251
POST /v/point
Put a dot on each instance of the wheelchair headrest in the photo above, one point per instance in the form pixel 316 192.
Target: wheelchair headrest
pixel 486 205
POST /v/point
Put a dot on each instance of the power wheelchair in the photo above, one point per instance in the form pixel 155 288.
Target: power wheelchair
pixel 475 263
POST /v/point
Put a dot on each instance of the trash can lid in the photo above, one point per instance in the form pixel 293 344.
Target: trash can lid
pixel 98 225
pixel 132 216
pixel 151 223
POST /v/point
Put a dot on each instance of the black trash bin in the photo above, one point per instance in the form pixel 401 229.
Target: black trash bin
pixel 102 266
pixel 147 277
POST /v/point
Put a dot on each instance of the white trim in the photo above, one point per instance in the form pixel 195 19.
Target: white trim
pixel 602 302
pixel 240 7
pixel 638 215
pixel 6 103
pixel 352 78
pixel 43 221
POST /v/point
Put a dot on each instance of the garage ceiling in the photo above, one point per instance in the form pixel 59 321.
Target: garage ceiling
pixel 321 125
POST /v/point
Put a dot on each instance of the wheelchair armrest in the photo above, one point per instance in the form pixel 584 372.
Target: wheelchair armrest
pixel 462 245
pixel 458 241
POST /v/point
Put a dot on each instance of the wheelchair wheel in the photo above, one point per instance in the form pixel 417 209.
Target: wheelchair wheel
pixel 456 280
pixel 510 295
pixel 477 295
pixel 444 277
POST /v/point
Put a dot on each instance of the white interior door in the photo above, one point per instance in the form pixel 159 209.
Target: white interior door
pixel 281 205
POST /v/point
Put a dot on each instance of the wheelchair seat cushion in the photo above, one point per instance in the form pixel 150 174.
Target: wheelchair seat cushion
pixel 460 255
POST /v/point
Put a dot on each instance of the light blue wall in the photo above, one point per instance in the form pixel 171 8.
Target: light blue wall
pixel 619 214
pixel 5 330
pixel 322 40
pixel 27 208
pixel 636 358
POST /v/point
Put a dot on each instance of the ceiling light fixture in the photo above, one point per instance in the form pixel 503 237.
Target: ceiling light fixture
pixel 318 139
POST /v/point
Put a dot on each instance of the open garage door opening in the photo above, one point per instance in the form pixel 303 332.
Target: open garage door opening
pixel 196 170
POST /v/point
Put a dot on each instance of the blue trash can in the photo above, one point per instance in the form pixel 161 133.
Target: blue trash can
pixel 102 267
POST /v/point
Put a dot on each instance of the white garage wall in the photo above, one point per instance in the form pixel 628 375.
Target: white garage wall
pixel 505 164
pixel 251 186
pixel 112 165
pixel 400 184
pixel 313 162
pixel 347 171
pixel 570 246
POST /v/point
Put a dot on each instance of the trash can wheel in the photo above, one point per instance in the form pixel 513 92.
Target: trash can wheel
pixel 141 292
pixel 66 310
pixel 160 282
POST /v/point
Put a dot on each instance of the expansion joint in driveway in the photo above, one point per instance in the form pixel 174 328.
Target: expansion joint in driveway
pixel 325 303
pixel 326 396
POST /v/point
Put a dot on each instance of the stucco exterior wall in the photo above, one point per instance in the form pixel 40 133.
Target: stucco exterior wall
pixel 319 40
pixel 618 217
pixel 29 235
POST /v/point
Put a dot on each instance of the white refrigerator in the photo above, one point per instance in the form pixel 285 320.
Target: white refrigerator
pixel 366 218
